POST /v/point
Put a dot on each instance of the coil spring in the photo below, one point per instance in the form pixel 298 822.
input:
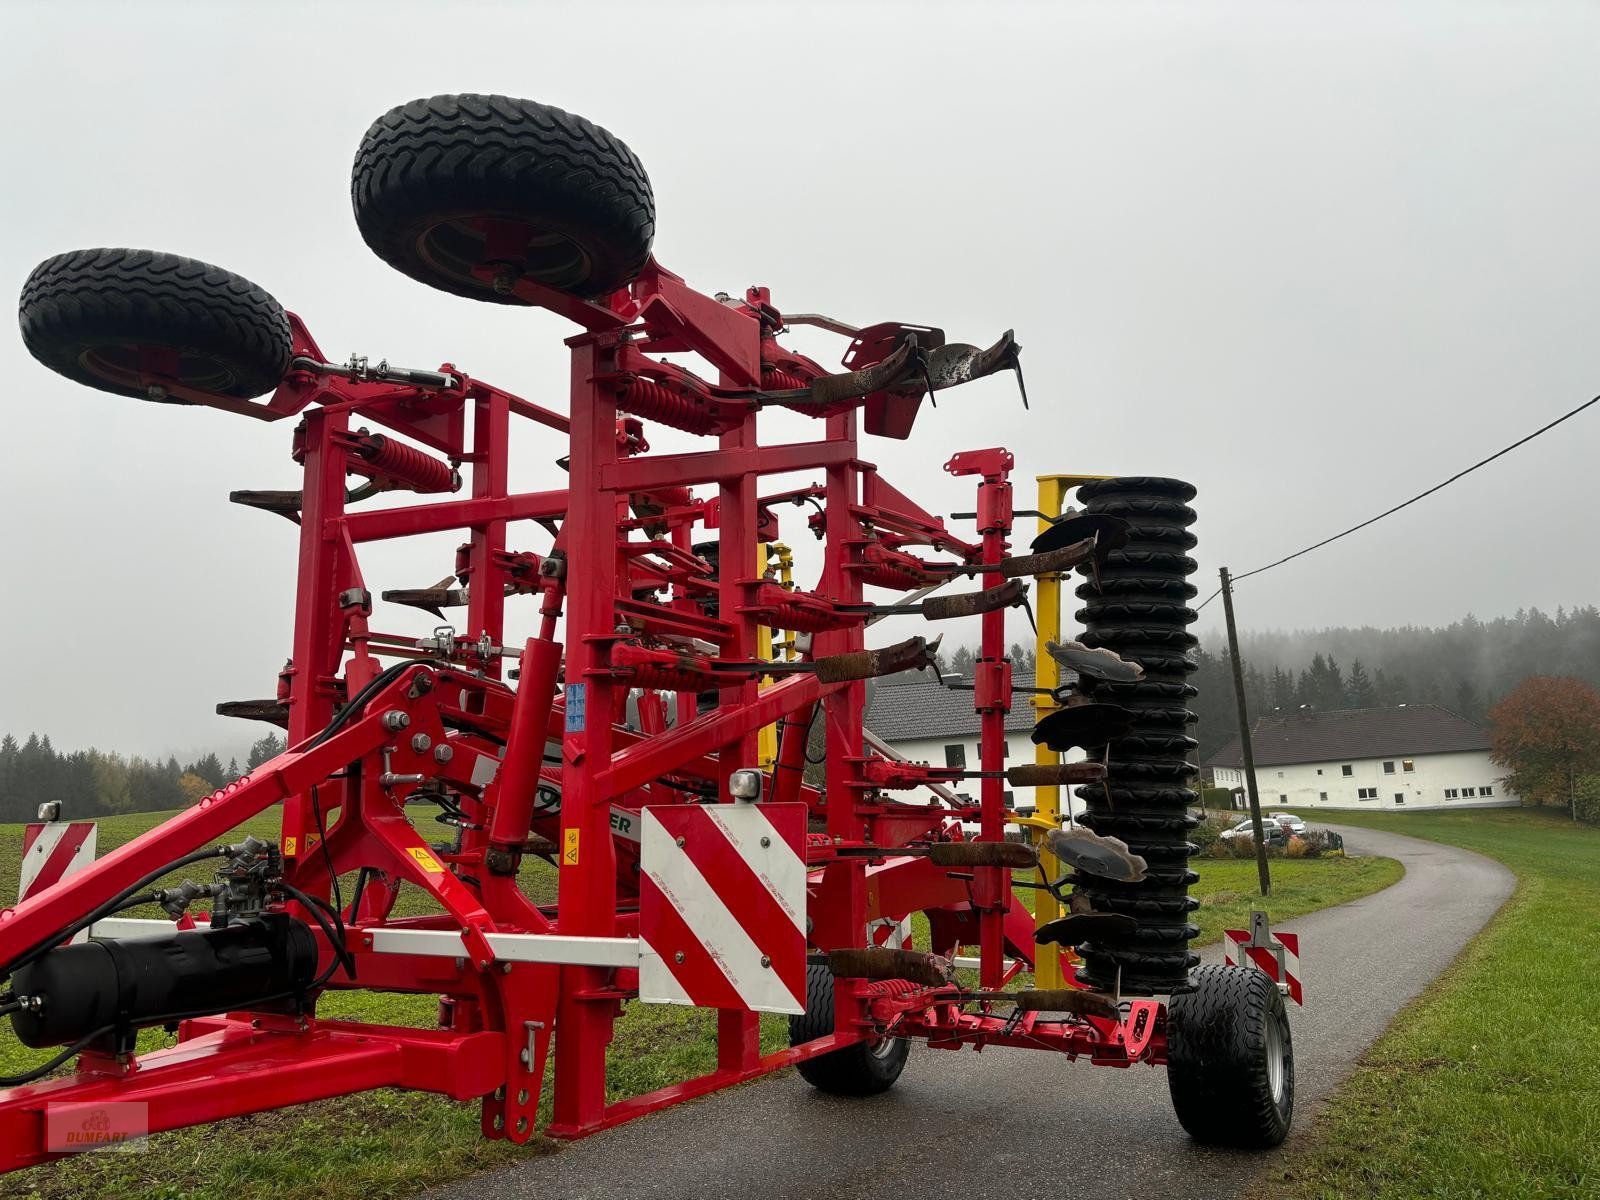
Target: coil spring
pixel 406 464
pixel 654 402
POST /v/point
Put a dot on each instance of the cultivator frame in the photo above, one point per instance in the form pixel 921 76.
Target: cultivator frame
pixel 649 682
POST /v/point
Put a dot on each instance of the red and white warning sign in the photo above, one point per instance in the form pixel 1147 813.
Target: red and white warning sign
pixel 1278 954
pixel 722 906
pixel 51 851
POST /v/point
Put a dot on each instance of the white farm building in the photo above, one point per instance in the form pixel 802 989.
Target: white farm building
pixel 1406 758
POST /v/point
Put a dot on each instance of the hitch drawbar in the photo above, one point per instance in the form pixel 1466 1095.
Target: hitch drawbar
pixel 124 984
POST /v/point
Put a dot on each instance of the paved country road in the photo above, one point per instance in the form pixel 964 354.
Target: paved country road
pixel 984 1125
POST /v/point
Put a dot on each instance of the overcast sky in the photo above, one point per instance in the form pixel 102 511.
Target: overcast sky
pixel 1313 258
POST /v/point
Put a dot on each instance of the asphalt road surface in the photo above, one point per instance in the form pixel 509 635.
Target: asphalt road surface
pixel 968 1125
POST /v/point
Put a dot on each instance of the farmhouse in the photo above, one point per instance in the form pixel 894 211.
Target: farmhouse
pixel 928 722
pixel 1410 757
pixel 931 723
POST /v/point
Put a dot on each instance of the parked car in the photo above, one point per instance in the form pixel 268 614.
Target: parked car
pixel 1274 833
pixel 1289 821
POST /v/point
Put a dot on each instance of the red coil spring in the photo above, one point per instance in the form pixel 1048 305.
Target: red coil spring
pixel 650 400
pixel 406 465
pixel 780 381
pixel 805 619
pixel 663 669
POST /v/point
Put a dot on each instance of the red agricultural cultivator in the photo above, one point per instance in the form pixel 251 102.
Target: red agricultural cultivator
pixel 623 740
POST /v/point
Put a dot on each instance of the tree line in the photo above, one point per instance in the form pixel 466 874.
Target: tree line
pixel 1466 666
pixel 94 783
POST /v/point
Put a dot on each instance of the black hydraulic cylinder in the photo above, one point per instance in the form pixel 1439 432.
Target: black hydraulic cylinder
pixel 129 983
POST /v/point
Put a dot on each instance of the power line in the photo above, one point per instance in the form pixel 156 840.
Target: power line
pixel 1419 496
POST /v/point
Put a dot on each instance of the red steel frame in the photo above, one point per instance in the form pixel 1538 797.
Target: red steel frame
pixel 623 573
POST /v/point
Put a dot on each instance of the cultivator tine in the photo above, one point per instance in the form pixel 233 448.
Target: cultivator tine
pixel 285 504
pixel 1015 855
pixel 273 712
pixel 853 385
pixel 1078 928
pixel 913 654
pixel 958 362
pixel 1093 854
pixel 882 962
pixel 1074 526
pixel 971 604
pixel 1080 726
pixel 1098 663
pixel 1053 562
pixel 1055 774
pixel 431 600
pixel 1077 1001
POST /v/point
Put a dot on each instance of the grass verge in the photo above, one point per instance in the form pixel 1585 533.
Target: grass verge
pixel 1488 1085
pixel 388 1144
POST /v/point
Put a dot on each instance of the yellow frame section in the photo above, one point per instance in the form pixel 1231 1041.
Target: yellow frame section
pixel 1053 491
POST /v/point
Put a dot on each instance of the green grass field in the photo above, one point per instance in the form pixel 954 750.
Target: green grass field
pixel 391 1144
pixel 1488 1085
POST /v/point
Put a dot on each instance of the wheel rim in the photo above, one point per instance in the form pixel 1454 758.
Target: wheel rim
pixel 1277 1064
pixel 882 1048
pixel 120 365
pixel 456 248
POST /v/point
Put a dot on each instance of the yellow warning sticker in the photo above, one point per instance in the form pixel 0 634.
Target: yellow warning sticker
pixel 426 860
pixel 569 847
pixel 288 847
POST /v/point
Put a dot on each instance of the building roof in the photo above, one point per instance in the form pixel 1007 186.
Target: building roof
pixel 921 708
pixel 1344 734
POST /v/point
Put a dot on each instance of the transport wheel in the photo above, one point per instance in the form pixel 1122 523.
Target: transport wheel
pixel 110 317
pixel 864 1069
pixel 452 183
pixel 1230 1060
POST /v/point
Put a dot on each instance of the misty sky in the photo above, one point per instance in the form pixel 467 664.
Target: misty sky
pixel 1314 258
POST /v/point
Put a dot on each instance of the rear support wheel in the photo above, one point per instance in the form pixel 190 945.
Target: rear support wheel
pixel 865 1069
pixel 1230 1059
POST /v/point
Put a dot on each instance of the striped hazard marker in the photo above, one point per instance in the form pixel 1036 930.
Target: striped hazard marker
pixel 722 906
pixel 51 851
pixel 1277 954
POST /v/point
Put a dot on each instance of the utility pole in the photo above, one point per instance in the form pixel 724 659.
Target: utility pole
pixel 1244 737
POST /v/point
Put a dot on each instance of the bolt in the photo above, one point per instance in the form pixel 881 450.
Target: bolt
pixel 156 392
pixel 525 1059
pixel 505 968
pixel 504 280
pixel 396 719
pixel 443 753
pixel 421 743
pixel 680 842
pixel 765 842
pixel 765 961
pixel 678 957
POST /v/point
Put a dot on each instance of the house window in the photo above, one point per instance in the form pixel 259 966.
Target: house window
pixel 1319 770
pixel 1346 770
pixel 1486 791
pixel 1408 765
pixel 1399 797
pixel 1367 793
pixel 1388 768
pixel 1451 793
pixel 1283 799
pixel 1280 774
pixel 956 756
pixel 1469 791
pixel 1323 796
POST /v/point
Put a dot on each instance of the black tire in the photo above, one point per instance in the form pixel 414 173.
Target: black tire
pixel 864 1069
pixel 1230 1059
pixel 429 173
pixel 91 314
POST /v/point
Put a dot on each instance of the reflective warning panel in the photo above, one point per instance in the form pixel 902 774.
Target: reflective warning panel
pixel 722 906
